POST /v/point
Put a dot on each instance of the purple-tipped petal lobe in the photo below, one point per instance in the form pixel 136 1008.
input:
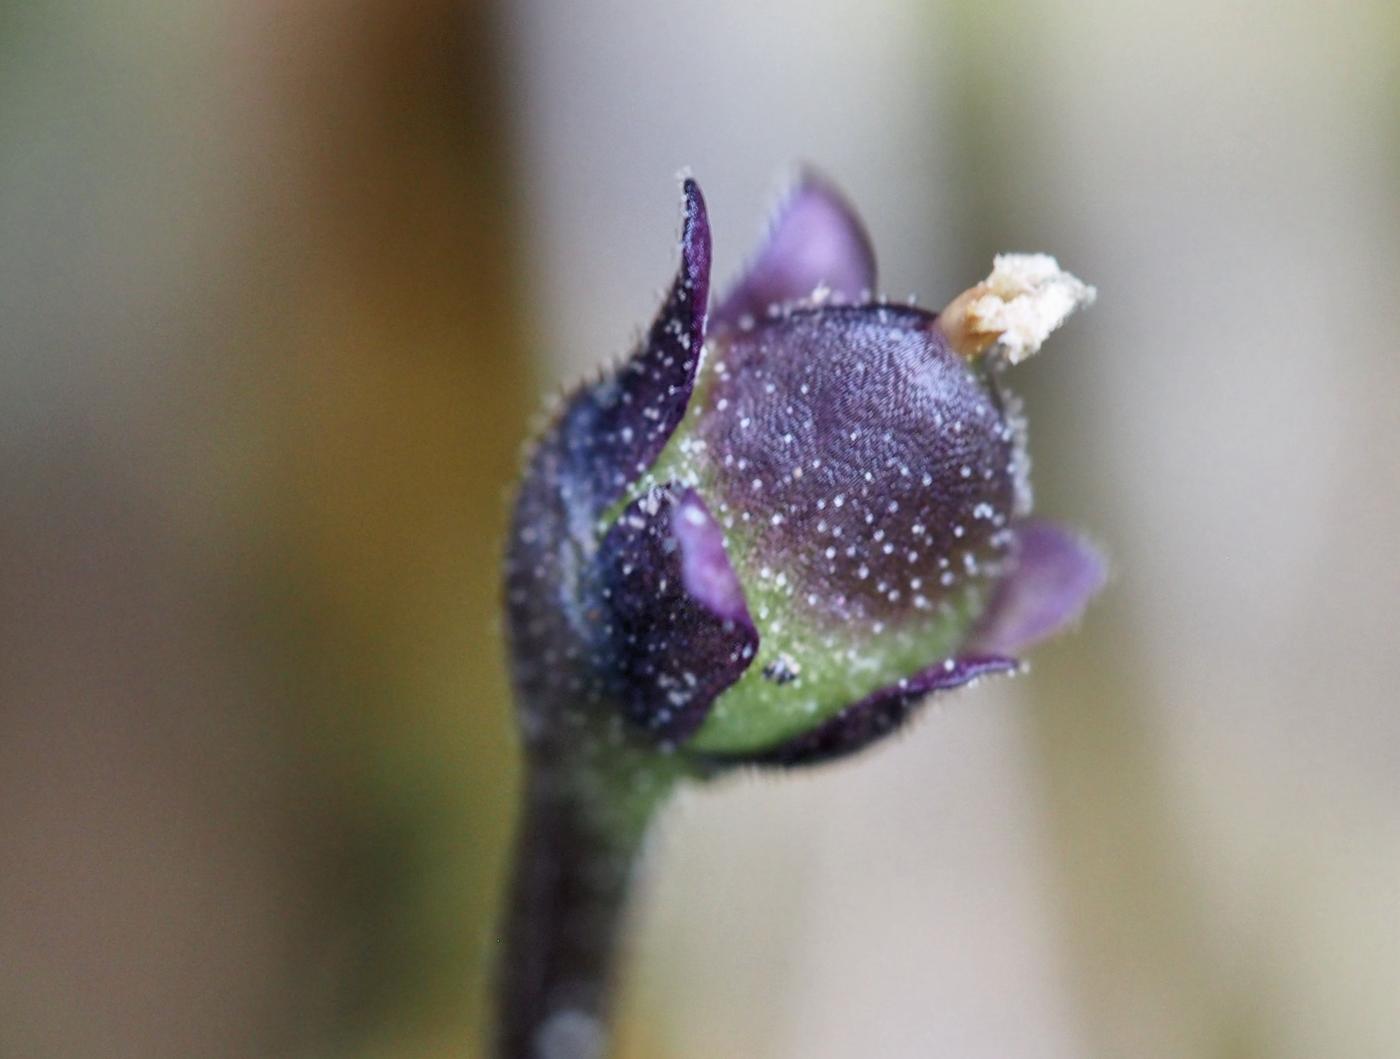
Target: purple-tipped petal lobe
pixel 614 430
pixel 678 631
pixel 814 240
pixel 1056 575
pixel 705 568
pixel 880 713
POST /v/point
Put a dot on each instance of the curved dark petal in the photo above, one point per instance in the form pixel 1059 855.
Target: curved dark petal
pixel 613 430
pixel 678 631
pixel 878 714
pixel 814 239
pixel 1056 575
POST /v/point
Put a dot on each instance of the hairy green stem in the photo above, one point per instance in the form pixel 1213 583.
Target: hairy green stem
pixel 580 833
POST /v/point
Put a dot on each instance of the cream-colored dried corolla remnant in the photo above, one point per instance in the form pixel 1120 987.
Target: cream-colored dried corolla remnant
pixel 1014 310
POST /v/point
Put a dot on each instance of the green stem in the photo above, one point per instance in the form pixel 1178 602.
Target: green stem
pixel 581 830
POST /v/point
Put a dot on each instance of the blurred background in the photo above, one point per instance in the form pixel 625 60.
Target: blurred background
pixel 281 286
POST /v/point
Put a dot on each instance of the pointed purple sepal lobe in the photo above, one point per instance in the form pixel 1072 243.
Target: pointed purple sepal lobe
pixel 678 630
pixel 613 430
pixel 814 240
pixel 1056 575
pixel 880 713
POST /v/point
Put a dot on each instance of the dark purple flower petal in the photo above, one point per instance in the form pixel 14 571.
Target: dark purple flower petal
pixel 1056 575
pixel 612 431
pixel 880 713
pixel 815 239
pixel 862 458
pixel 678 631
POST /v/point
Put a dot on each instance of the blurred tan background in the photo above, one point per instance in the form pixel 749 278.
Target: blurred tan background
pixel 280 288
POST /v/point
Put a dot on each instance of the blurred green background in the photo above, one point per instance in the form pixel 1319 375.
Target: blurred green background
pixel 281 286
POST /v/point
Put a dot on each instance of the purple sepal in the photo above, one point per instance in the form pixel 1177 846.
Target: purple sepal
pixel 677 631
pixel 613 431
pixel 1056 575
pixel 814 239
pixel 878 714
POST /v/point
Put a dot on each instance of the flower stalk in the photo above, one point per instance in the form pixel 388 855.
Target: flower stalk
pixel 578 844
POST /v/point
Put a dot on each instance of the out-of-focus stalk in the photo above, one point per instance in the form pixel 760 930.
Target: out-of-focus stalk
pixel 578 839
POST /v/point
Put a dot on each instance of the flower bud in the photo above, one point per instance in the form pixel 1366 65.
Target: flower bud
pixel 770 534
